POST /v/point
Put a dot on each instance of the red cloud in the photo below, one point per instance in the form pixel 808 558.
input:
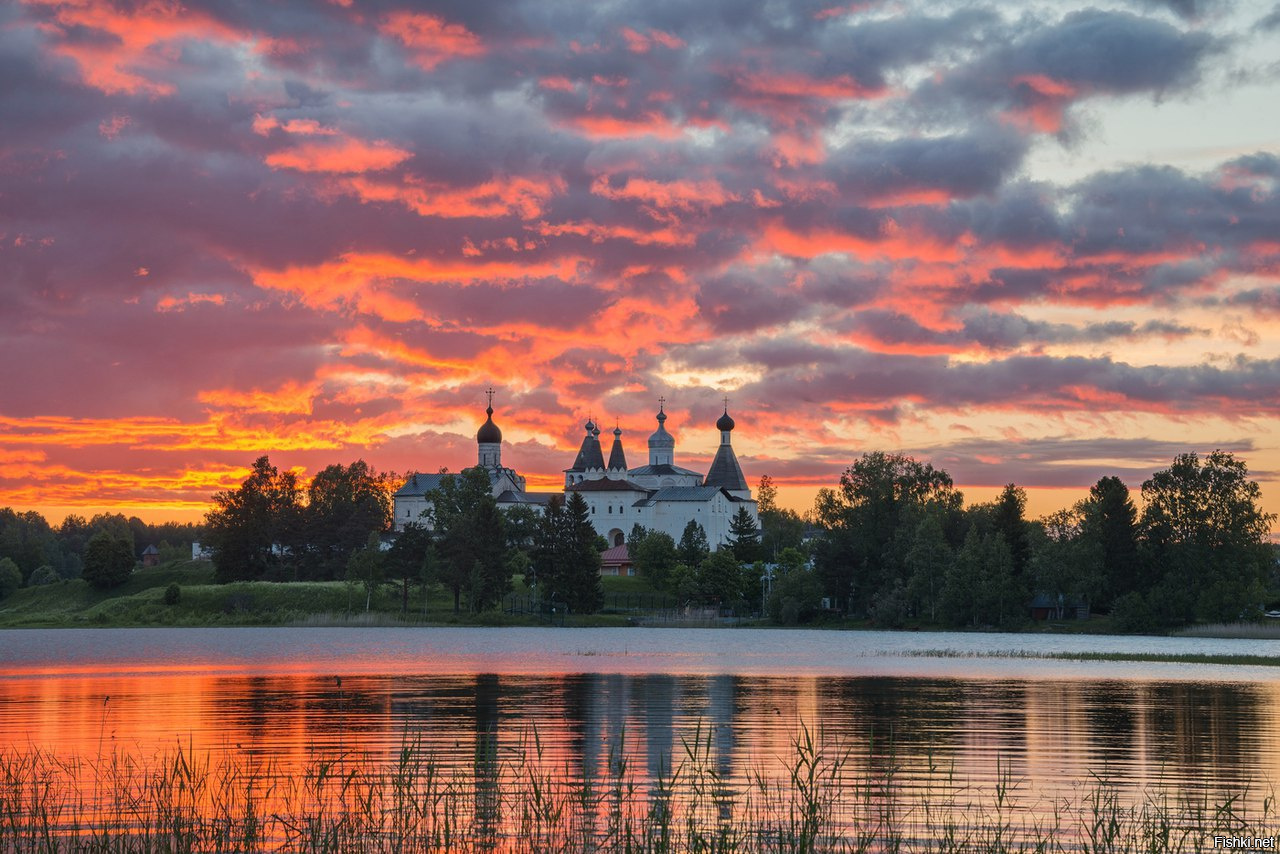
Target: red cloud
pixel 431 39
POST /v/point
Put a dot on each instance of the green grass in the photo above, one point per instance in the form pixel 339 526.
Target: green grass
pixel 1175 658
pixel 140 602
pixel 503 798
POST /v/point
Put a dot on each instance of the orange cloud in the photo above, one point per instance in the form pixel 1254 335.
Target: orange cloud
pixel 614 127
pixel 340 156
pixel 130 59
pixel 501 196
pixel 685 195
pixel 599 233
pixel 292 398
pixel 357 279
pixel 431 39
pixel 172 303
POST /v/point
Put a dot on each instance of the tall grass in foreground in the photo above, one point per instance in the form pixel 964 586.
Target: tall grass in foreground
pixel 813 801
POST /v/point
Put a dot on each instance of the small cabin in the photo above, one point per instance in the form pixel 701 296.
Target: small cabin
pixel 616 561
pixel 151 556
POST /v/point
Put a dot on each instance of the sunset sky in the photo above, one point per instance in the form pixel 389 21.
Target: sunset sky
pixel 1028 242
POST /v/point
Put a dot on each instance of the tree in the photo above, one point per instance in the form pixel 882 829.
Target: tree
pixel 108 560
pixel 744 537
pixel 980 587
pixel 566 559
pixel 253 528
pixel 1008 518
pixel 344 505
pixel 779 528
pixel 365 566
pixel 926 562
pixel 10 577
pixel 1203 525
pixel 407 558
pixel 654 556
pixel 1065 559
pixel 693 547
pixel 578 582
pixel 869 520
pixel 718 579
pixel 468 529
pixel 1110 525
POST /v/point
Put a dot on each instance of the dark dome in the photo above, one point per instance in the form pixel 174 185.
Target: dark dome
pixel 489 434
pixel 724 422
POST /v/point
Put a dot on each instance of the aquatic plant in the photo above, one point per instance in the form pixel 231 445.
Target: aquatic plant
pixel 517 799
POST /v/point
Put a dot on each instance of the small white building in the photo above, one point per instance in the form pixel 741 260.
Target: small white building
pixel 659 496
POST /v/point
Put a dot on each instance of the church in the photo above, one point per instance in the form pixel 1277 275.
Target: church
pixel 660 496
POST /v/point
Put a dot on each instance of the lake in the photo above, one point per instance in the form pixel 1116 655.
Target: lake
pixel 904 719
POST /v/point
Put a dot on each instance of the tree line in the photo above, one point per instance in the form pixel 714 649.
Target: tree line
pixel 897 543
pixel 100 549
pixel 893 543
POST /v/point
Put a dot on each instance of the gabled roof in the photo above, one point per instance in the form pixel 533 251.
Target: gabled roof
pixel 662 469
pixel 535 498
pixel 685 493
pixel 419 484
pixel 725 471
pixel 616 555
pixel 604 484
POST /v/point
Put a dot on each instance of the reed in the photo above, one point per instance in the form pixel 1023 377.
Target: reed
pixel 518 800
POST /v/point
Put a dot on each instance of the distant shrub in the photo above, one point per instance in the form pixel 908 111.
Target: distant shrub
pixel 172 594
pixel 1131 613
pixel 43 575
pixel 10 577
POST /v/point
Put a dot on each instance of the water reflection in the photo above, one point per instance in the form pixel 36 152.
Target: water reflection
pixel 1048 739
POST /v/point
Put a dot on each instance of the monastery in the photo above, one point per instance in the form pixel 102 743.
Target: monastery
pixel 661 496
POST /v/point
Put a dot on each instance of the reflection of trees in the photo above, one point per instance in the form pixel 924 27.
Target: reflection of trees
pixel 1194 725
pixel 488 799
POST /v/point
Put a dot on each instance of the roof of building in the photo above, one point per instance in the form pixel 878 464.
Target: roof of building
pixel 663 469
pixel 724 423
pixel 685 493
pixel 537 498
pixel 660 437
pixel 489 432
pixel 151 550
pixel 725 471
pixel 605 484
pixel 420 484
pixel 589 455
pixel 617 459
pixel 616 555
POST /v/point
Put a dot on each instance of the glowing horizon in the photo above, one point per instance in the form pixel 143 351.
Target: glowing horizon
pixel 1036 244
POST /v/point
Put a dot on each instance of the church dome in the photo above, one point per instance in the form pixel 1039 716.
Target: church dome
pixel 724 423
pixel 489 434
pixel 660 437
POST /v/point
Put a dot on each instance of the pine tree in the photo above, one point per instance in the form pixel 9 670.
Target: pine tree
pixel 580 568
pixel 744 537
pixel 693 547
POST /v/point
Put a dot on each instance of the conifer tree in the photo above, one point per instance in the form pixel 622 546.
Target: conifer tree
pixel 744 537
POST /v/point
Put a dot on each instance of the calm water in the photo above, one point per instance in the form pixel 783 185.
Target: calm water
pixel 887 701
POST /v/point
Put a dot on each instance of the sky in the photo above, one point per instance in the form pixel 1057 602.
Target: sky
pixel 1027 242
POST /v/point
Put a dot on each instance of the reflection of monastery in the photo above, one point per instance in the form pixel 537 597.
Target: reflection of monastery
pixel 661 496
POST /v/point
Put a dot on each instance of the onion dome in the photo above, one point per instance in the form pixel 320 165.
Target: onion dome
pixel 724 423
pixel 489 434
pixel 660 437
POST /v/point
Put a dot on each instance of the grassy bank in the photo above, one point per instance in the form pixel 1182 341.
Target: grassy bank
pixel 141 602
pixel 1175 658
pixel 512 800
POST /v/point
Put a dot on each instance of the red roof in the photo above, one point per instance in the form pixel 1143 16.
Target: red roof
pixel 617 554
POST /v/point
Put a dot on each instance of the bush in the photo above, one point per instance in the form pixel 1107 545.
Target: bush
pixel 1131 613
pixel 10 577
pixel 43 575
pixel 172 594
